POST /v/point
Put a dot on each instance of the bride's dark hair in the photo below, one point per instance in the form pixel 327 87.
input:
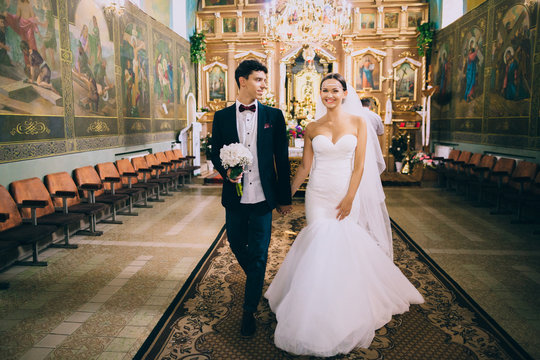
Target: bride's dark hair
pixel 335 76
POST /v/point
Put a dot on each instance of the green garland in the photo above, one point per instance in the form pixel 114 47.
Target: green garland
pixel 198 48
pixel 425 38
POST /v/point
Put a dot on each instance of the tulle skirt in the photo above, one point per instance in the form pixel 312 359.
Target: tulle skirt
pixel 335 288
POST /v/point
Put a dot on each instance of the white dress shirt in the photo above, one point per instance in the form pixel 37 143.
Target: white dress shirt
pixel 375 121
pixel 246 123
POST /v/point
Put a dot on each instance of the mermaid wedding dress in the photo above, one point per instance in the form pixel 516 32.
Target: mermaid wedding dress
pixel 338 283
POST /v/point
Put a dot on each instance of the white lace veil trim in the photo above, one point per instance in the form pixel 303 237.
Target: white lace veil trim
pixel 369 202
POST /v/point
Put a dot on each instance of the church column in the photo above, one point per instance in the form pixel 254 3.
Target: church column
pixel 403 21
pixel 271 66
pixel 380 23
pixel 231 87
pixel 347 49
pixel 282 77
pixel 388 60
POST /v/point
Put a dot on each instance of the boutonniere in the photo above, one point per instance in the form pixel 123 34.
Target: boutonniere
pixel 267 126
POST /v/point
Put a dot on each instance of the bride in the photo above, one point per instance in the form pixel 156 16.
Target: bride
pixel 338 283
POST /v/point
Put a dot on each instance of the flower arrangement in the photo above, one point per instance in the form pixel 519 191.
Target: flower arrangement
pixel 236 157
pixel 268 99
pixel 398 147
pixel 295 131
pixel 206 146
pixel 422 158
pixel 204 109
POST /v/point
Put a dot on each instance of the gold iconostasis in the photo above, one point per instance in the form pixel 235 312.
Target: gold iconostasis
pixel 377 55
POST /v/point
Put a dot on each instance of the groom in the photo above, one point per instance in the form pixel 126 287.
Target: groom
pixel 248 218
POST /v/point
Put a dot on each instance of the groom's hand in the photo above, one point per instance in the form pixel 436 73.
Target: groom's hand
pixel 284 209
pixel 236 179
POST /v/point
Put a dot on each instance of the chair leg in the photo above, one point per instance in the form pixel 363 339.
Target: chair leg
pixel 130 211
pixel 66 244
pixel 113 216
pixel 145 205
pixel 35 261
pixel 92 229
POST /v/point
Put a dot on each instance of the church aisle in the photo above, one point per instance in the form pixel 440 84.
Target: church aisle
pixel 497 263
pixel 102 300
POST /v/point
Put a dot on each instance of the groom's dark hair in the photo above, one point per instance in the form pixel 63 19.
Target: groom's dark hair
pixel 335 76
pixel 246 67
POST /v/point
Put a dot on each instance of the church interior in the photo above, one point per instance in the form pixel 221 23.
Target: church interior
pixel 112 232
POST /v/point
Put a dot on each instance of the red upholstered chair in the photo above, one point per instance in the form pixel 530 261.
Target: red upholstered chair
pixel 14 233
pixel 33 190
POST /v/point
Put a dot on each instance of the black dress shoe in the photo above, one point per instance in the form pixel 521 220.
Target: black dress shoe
pixel 248 324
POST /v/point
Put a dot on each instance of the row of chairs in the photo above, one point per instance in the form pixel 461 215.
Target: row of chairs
pixel 33 210
pixel 510 182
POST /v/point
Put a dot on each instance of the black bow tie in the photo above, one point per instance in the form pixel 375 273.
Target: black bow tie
pixel 251 108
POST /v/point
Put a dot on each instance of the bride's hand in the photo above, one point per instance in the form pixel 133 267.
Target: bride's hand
pixel 344 207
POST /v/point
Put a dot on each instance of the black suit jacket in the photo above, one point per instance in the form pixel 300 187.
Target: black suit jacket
pixel 272 152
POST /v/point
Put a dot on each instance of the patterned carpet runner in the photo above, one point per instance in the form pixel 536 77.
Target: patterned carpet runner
pixel 203 321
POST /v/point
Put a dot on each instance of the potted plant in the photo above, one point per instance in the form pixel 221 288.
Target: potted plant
pixel 206 148
pixel 398 149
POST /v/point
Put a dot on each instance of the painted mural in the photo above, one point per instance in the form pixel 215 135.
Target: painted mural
pixel 470 72
pixel 93 60
pixel 134 63
pixel 163 76
pixel 30 79
pixel 185 79
pixel 511 77
pixel 442 77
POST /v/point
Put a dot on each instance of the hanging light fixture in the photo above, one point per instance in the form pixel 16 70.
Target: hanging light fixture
pixel 114 7
pixel 306 21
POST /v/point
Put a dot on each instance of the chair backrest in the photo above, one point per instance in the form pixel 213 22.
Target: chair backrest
pixel 475 159
pixel 62 181
pixel 139 162
pixel 178 153
pixel 463 156
pixel 536 185
pixel 123 166
pixel 87 175
pixel 487 161
pixel 161 157
pixel 525 169
pixel 152 160
pixel 454 155
pixel 8 206
pixel 504 164
pixel 170 155
pixel 107 169
pixel 31 189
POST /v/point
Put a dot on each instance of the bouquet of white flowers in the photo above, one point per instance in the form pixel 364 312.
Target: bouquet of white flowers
pixel 235 156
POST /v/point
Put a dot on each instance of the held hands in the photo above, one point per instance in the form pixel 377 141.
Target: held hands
pixel 344 207
pixel 237 179
pixel 284 209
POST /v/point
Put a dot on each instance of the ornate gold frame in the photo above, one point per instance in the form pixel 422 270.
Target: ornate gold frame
pixel 356 63
pixel 207 70
pixel 413 67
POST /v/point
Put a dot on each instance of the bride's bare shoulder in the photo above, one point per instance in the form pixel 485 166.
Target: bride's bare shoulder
pixel 310 128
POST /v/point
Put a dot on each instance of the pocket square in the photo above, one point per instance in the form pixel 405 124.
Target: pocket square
pixel 267 126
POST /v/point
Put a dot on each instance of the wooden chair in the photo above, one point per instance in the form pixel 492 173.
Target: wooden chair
pixel 112 182
pixel 499 177
pixel 520 186
pixel 456 168
pixel 14 233
pixel 188 164
pixel 159 172
pixel 34 191
pixel 172 167
pixel 90 184
pixel 148 175
pixel 445 166
pixel 465 172
pixel 130 178
pixel 479 175
pixel 65 194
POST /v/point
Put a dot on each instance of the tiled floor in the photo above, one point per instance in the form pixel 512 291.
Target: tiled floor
pixel 101 300
pixel 497 263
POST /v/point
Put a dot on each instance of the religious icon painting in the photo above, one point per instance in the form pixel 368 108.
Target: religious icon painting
pixel 216 83
pixel 29 60
pixel 470 72
pixel 135 66
pixel 405 75
pixel 512 59
pixel 93 61
pixel 251 24
pixel 391 20
pixel 259 1
pixel 229 25
pixel 414 19
pixel 208 26
pixel 163 105
pixel 442 75
pixel 367 21
pixel 368 71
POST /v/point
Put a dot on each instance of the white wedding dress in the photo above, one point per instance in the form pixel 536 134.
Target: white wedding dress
pixel 337 284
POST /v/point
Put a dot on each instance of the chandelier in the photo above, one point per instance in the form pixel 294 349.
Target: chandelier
pixel 114 7
pixel 306 21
